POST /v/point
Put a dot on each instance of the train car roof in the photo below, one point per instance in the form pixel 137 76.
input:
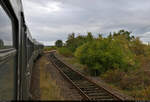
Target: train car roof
pixel 36 42
pixel 32 39
pixel 29 35
pixel 17 6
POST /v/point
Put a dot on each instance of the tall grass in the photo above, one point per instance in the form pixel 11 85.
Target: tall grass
pixel 135 83
pixel 65 52
pixel 49 48
pixel 48 87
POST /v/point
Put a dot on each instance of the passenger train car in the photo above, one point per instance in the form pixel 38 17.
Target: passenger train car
pixel 18 51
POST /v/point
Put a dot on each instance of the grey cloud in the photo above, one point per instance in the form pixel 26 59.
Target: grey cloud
pixel 5 28
pixel 50 20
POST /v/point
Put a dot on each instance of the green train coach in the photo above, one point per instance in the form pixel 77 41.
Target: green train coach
pixel 18 51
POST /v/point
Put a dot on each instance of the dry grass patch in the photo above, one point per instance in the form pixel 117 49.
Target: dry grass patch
pixel 49 89
pixel 135 83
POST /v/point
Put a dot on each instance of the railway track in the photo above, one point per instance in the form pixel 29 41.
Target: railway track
pixel 88 89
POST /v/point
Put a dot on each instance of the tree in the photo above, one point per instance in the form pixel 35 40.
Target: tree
pixel 1 43
pixel 59 43
pixel 102 55
pixel 74 42
pixel 70 43
pixel 138 47
pixel 110 35
pixel 71 36
pixel 89 36
pixel 124 33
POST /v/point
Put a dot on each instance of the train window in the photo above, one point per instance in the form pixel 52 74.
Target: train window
pixel 7 60
pixel 6 38
pixel 7 79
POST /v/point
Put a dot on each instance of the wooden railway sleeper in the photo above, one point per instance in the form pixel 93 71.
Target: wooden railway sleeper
pixel 86 84
pixel 88 89
pixel 102 97
pixel 85 88
pixel 92 92
pixel 99 99
pixel 97 94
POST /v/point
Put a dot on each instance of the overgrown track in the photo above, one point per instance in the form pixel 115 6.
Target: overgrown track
pixel 87 88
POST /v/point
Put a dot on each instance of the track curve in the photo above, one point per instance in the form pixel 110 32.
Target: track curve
pixel 88 89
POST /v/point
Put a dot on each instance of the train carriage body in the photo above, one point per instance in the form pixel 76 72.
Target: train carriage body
pixel 18 50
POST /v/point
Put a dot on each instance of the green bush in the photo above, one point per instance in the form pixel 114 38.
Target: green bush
pixel 65 52
pixel 49 48
pixel 73 42
pixel 59 43
pixel 102 55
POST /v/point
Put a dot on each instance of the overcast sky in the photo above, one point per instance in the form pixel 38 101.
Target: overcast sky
pixel 50 20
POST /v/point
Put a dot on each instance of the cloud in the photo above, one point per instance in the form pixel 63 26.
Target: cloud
pixel 50 20
pixel 5 28
pixel 145 37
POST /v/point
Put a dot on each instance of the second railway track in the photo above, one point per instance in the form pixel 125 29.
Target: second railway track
pixel 88 89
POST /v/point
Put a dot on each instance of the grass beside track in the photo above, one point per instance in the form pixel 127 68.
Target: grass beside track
pixel 48 87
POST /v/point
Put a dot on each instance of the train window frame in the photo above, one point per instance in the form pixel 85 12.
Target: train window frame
pixel 5 54
pixel 9 32
pixel 13 48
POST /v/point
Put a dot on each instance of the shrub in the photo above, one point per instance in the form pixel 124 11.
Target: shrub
pixel 143 94
pixel 135 80
pixel 47 48
pixel 59 43
pixel 65 52
pixel 113 76
pixel 102 55
pixel 73 42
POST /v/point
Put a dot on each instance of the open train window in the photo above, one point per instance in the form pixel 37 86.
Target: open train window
pixel 6 33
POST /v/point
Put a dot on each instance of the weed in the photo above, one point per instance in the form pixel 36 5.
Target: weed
pixel 48 87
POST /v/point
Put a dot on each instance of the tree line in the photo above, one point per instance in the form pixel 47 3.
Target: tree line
pixel 119 50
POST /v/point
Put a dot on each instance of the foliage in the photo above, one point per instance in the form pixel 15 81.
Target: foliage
pixel 139 48
pixel 121 59
pixel 118 50
pixel 65 52
pixel 102 55
pixel 74 42
pixel 135 83
pixel 59 43
pixel 126 34
pixel 143 94
pixel 1 43
pixel 113 76
pixel 49 48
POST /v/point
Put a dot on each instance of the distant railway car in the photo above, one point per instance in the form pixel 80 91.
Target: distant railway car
pixel 18 50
